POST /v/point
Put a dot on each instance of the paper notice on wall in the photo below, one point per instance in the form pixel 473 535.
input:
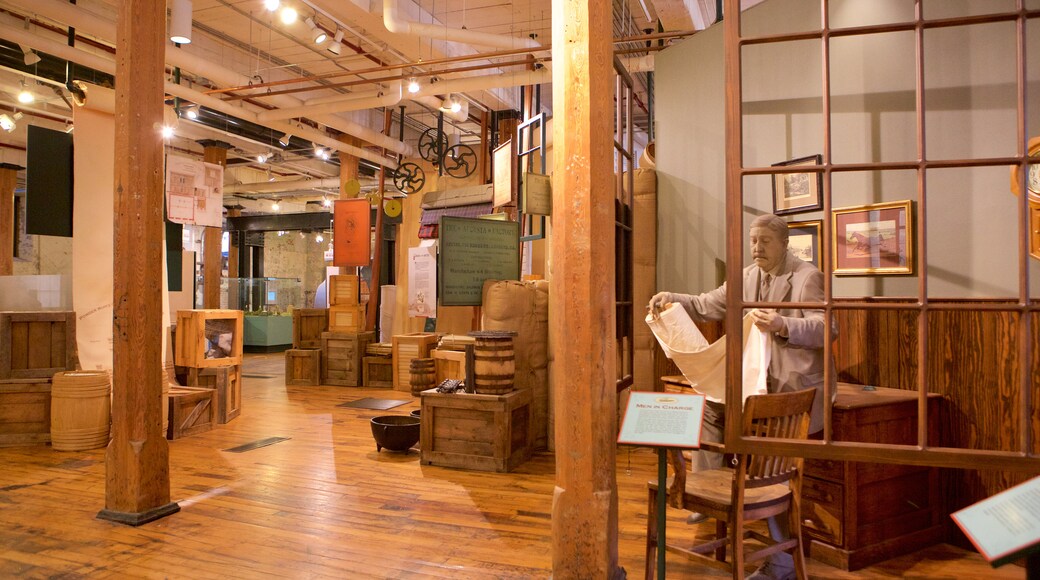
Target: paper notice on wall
pixel 422 282
pixel 92 236
pixel 194 191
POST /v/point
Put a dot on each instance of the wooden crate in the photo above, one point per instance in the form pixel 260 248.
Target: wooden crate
pixel 307 326
pixel 303 366
pixel 405 348
pixel 25 412
pixel 343 290
pixel 482 432
pixel 341 355
pixel 347 319
pixel 227 381
pixel 193 329
pixel 36 345
pixel 192 410
pixel 449 364
pixel 378 372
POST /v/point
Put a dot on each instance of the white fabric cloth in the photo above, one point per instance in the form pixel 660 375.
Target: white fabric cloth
pixel 703 364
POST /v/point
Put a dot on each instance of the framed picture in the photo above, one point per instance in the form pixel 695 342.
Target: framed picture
pixel 874 239
pixel 804 240
pixel 798 192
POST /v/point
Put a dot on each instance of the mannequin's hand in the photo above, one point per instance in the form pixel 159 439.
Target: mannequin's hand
pixel 659 301
pixel 768 320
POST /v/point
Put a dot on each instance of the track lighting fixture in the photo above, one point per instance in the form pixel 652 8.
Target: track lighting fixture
pixel 30 57
pixel 413 85
pixel 336 46
pixel 284 139
pixel 319 238
pixel 25 96
pixel 288 15
pixel 325 201
pixel 276 204
pixel 180 21
pixel 10 122
pixel 262 157
pixel 317 33
pixel 272 5
pixel 190 112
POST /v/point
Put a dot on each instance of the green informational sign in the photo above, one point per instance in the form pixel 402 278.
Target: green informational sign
pixel 472 251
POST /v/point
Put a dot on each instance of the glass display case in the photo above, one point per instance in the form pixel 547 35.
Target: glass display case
pixel 262 296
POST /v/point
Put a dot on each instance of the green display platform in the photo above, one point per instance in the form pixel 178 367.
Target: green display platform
pixel 267 333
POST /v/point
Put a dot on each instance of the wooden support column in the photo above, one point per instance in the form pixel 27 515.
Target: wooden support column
pixel 8 181
pixel 213 152
pixel 585 503
pixel 348 169
pixel 137 463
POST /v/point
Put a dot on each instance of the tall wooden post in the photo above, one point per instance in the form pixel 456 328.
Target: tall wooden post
pixel 8 181
pixel 585 503
pixel 137 463
pixel 213 151
pixel 348 169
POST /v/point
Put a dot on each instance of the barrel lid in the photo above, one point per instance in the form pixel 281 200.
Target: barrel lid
pixel 493 333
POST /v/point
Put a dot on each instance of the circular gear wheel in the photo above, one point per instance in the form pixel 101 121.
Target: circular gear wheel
pixel 409 178
pixel 432 144
pixel 459 161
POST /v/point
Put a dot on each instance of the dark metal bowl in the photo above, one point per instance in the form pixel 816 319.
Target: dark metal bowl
pixel 395 432
pixel 415 414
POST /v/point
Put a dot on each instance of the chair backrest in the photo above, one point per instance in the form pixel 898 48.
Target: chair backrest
pixel 777 416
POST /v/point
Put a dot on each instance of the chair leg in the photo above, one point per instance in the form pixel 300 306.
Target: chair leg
pixel 720 532
pixel 651 535
pixel 794 514
pixel 736 540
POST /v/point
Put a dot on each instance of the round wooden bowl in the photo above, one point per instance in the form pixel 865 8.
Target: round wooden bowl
pixel 395 432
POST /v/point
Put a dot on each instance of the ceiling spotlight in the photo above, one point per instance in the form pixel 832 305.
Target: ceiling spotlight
pixel 336 46
pixel 271 5
pixel 166 131
pixel 190 111
pixel 25 96
pixel 275 205
pixel 288 15
pixel 31 57
pixel 263 157
pixel 180 21
pixel 321 152
pixel 284 139
pixel 270 177
pixel 319 34
pixel 325 201
pixel 9 122
pixel 413 85
pixel 281 233
pixel 319 238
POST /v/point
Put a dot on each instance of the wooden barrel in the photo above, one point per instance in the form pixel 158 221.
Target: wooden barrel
pixel 424 375
pixel 81 410
pixel 493 363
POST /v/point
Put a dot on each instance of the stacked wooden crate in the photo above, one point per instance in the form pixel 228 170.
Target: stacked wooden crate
pixel 303 360
pixel 346 313
pixel 209 354
pixel 343 346
pixel 405 348
pixel 377 366
pixel 33 347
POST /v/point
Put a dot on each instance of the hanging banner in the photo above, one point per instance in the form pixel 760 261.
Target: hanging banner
pixel 422 281
pixel 351 232
pixel 194 192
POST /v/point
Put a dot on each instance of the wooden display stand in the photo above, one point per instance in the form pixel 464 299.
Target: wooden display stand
pixel 25 412
pixel 481 432
pixel 303 367
pixel 341 355
pixel 192 410
pixel 36 345
pixel 450 364
pixel 192 331
pixel 378 372
pixel 308 324
pixel 858 514
pixel 405 348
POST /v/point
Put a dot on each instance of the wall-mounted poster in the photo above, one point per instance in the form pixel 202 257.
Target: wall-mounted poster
pixel 352 232
pixel 473 250
pixel 422 281
pixel 194 192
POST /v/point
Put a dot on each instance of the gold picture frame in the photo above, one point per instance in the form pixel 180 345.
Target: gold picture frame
pixel 875 239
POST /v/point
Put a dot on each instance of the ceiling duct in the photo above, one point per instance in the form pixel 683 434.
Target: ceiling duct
pixel 395 24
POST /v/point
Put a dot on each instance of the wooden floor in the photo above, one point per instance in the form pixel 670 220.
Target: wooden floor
pixel 325 504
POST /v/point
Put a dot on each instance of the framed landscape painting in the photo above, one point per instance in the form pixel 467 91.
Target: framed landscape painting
pixel 874 239
pixel 798 192
pixel 804 240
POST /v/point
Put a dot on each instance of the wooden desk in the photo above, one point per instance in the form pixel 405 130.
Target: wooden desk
pixel 858 514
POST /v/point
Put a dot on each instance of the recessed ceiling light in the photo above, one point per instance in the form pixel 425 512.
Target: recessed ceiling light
pixel 272 5
pixel 288 15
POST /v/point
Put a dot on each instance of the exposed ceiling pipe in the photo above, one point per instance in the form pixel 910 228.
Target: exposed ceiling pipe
pixel 435 103
pixel 388 98
pixel 88 23
pixel 395 24
pixel 280 186
pixel 108 66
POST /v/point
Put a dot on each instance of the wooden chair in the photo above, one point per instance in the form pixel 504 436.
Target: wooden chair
pixel 758 487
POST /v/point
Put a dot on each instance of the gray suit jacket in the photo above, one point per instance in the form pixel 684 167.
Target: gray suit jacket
pixel 796 362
